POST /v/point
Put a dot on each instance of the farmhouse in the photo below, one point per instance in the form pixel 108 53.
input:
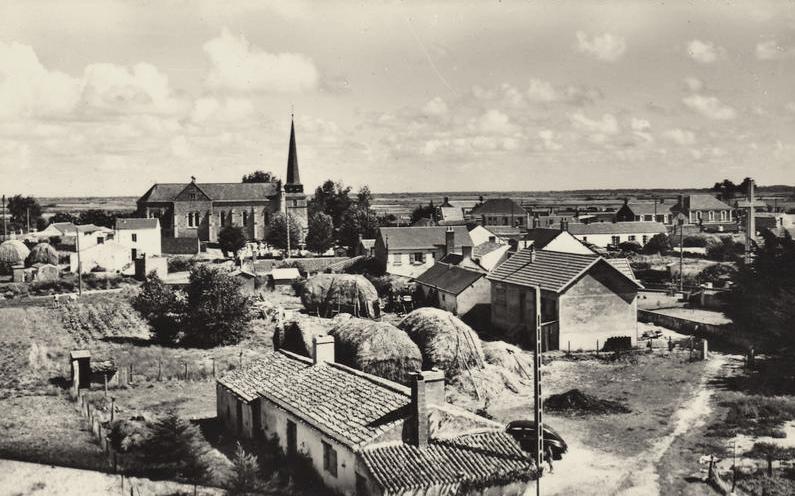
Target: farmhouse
pixel 367 435
pixel 201 210
pixel 67 232
pixel 410 251
pixel 141 236
pixel 455 212
pixel 654 211
pixel 705 211
pixel 499 212
pixel 584 298
pixel 604 234
pixel 454 288
pixel 555 240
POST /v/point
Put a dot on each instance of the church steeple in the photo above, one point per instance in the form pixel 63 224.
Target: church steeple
pixel 293 178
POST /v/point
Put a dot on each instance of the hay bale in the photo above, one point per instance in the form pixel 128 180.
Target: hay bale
pixel 42 253
pixel 378 348
pixel 296 334
pixel 575 401
pixel 444 340
pixel 491 387
pixel 13 252
pixel 346 293
pixel 509 357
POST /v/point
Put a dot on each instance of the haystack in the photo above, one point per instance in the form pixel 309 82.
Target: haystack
pixel 576 402
pixel 296 334
pixel 42 253
pixel 377 348
pixel 324 294
pixel 13 252
pixel 508 356
pixel 444 340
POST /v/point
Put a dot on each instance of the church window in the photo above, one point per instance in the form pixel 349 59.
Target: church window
pixel 223 218
pixel 245 218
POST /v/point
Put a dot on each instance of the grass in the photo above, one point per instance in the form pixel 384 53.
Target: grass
pixel 753 415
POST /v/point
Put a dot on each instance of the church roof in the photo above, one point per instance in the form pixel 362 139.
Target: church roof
pixel 168 192
pixel 292 159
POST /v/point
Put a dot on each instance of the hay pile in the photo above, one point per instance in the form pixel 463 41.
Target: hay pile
pixel 42 253
pixel 342 293
pixel 576 402
pixel 377 348
pixel 508 356
pixel 444 340
pixel 488 388
pixel 296 334
pixel 13 252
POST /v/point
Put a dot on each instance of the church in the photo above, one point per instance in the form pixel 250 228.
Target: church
pixel 201 210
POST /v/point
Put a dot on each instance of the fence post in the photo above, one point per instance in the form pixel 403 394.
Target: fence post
pixel 130 376
pixel 569 347
pixel 186 370
pixel 597 347
pixel 159 370
pixel 112 407
pixel 105 380
pixel 213 359
pixel 241 359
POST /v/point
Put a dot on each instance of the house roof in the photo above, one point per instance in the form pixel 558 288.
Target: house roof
pixel 449 278
pixel 622 264
pixel 551 270
pixel 541 236
pixel 452 214
pixel 286 273
pixel 705 202
pixel 367 243
pixel 475 459
pixel 348 405
pixel 316 264
pixel 136 224
pixel 648 208
pixel 403 238
pixel 617 228
pixel 168 192
pixel 487 247
pixel 501 206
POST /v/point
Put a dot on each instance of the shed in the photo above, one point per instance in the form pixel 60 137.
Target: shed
pixel 283 277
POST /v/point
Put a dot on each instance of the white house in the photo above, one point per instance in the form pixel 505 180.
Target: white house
pixel 551 239
pixel 455 288
pixel 410 251
pixel 141 236
pixel 110 256
pixel 604 234
pixel 90 235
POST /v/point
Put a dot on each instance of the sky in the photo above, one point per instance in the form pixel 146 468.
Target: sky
pixel 101 98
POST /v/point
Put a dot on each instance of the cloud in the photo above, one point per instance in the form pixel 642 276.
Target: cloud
pixel 548 139
pixel 118 89
pixel 640 124
pixel 607 47
pixel 790 107
pixel 237 65
pixel 771 50
pixel 435 107
pixel 495 122
pixel 542 91
pixel 680 136
pixel 710 107
pixel 704 52
pixel 694 84
pixel 229 110
pixel 606 125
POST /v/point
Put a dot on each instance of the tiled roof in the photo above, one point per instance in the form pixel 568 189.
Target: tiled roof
pixel 622 264
pixel 316 264
pixel 367 243
pixel 551 270
pixel 452 213
pixel 705 202
pixel 403 238
pixel 649 208
pixel 487 247
pixel 541 237
pixel 136 223
pixel 617 228
pixel 167 192
pixel 263 374
pixel 499 206
pixel 449 278
pixel 471 460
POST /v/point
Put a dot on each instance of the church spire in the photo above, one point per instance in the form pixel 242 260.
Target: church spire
pixel 292 156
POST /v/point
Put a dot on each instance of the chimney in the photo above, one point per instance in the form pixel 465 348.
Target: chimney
pixel 626 200
pixel 536 222
pixel 532 253
pixel 427 388
pixel 449 240
pixel 322 349
pixel 564 224
pixel 466 251
pixel 446 200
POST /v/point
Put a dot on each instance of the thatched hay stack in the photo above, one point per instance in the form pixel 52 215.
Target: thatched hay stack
pixel 444 340
pixel 42 253
pixel 296 334
pixel 492 387
pixel 508 356
pixel 342 293
pixel 13 252
pixel 378 348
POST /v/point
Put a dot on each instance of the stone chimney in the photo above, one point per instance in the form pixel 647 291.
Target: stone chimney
pixel 322 349
pixel 564 224
pixel 427 388
pixel 532 253
pixel 536 222
pixel 446 200
pixel 449 240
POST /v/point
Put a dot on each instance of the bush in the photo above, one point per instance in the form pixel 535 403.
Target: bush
pixel 218 313
pixel 162 307
pixel 173 449
pixel 726 250
pixel 180 264
pixel 695 242
pixel 630 247
pixel 659 243
pixel 231 239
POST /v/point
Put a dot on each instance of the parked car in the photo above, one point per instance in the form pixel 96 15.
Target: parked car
pixel 524 431
pixel 652 334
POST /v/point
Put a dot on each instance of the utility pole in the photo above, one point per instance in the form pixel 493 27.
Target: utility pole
pixel 538 405
pixel 681 255
pixel 27 215
pixel 750 222
pixel 287 223
pixel 5 228
pixel 79 263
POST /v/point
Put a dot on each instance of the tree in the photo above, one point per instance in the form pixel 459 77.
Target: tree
pixel 218 313
pixel 423 212
pixel 63 217
pixel 726 250
pixel 770 452
pixel 277 231
pixel 364 197
pixel 332 198
pixel 659 243
pixel 357 222
pixel 97 217
pixel 174 449
pixel 162 307
pixel 629 247
pixel 231 239
pixel 20 209
pixel 245 480
pixel 260 176
pixel 321 233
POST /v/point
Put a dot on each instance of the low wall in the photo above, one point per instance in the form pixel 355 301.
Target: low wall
pixel 684 326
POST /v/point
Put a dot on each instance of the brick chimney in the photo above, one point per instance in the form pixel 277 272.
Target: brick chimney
pixel 536 222
pixel 449 240
pixel 564 224
pixel 532 253
pixel 427 388
pixel 322 349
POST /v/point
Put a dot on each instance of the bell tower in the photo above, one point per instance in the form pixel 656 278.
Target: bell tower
pixel 294 199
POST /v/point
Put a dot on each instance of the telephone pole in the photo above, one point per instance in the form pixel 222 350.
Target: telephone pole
pixel 27 215
pixel 538 405
pixel 79 263
pixel 5 227
pixel 681 255
pixel 287 223
pixel 750 222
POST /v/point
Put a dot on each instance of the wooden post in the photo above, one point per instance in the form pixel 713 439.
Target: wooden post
pixel 112 407
pixel 130 377
pixel 569 348
pixel 538 406
pixel 241 359
pixel 597 347
pixel 159 370
pixel 105 380
pixel 186 370
pixel 213 359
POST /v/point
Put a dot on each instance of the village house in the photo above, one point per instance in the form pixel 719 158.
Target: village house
pixel 141 236
pixel 410 251
pixel 705 211
pixel 106 257
pixel 647 211
pixel 201 210
pixel 365 435
pixel 365 247
pixel 555 240
pixel 455 212
pixel 585 299
pixel 612 234
pixel 500 212
pixel 456 288
pixel 67 233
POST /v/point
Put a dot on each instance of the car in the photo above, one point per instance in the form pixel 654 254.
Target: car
pixel 652 334
pixel 524 431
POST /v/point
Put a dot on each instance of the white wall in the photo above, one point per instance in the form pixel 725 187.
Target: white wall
pixel 406 266
pixel 603 240
pixel 568 243
pixel 147 240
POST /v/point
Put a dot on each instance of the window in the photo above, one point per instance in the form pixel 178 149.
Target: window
pixel 295 203
pixel 329 459
pixel 645 239
pixel 631 237
pixel 100 241
pixel 711 215
pixel 616 240
pixel 134 238
pixel 505 221
pixel 444 297
pixel 193 196
pixel 723 215
pixel 397 258
pixel 223 218
pixel 245 218
pixel 585 238
pixel 193 219
pixel 418 258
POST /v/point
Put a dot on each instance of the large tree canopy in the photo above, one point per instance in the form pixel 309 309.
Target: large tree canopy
pixel 321 233
pixel 332 198
pixel 356 222
pixel 260 176
pixel 21 209
pixel 277 231
pixel 231 239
